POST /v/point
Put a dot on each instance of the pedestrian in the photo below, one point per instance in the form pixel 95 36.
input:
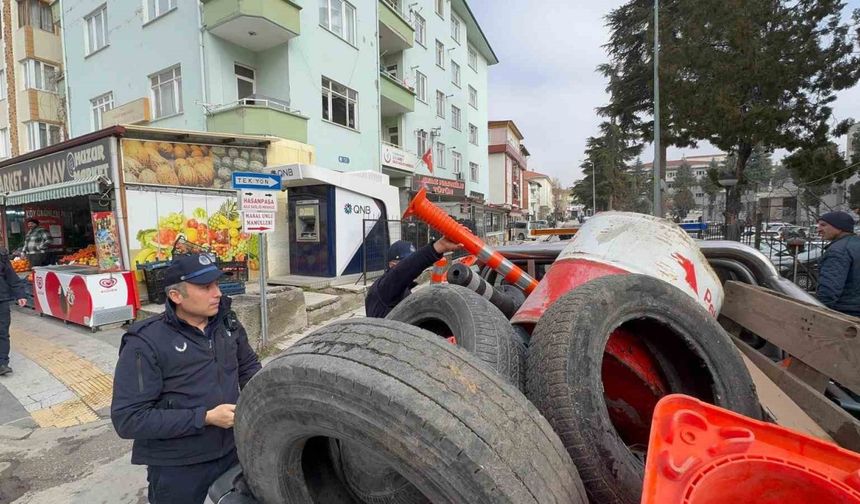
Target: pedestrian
pixel 177 382
pixel 11 289
pixel 404 266
pixel 839 268
pixel 36 242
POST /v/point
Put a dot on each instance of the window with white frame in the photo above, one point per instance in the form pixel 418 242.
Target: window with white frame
pixel 42 135
pixel 421 142
pixel 3 84
pixel 457 161
pixel 158 8
pixel 339 104
pixel 39 75
pixel 473 134
pixel 166 92
pixel 473 58
pixel 246 81
pixel 473 97
pixel 4 143
pixel 440 155
pixel 338 17
pixel 455 118
pixel 35 13
pixel 96 32
pixel 455 73
pixel 440 8
pixel 473 171
pixel 100 105
pixel 420 30
pixel 455 29
pixel 440 104
pixel 421 86
pixel 440 54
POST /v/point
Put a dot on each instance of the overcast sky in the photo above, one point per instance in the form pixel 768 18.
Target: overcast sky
pixel 546 80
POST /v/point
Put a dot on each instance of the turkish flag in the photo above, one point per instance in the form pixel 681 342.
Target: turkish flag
pixel 428 159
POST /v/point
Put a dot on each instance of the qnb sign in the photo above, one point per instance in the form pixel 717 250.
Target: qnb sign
pixel 352 209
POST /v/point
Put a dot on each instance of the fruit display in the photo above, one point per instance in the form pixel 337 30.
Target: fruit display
pixel 220 233
pixel 20 265
pixel 85 256
pixel 188 165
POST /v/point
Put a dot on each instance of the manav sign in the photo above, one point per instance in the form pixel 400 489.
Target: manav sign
pixel 84 161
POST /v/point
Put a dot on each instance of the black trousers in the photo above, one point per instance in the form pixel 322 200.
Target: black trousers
pixel 186 484
pixel 5 320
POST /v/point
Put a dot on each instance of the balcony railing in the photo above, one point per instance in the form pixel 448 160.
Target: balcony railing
pixel 251 101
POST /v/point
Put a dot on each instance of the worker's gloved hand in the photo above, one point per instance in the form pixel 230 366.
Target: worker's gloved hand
pixel 444 245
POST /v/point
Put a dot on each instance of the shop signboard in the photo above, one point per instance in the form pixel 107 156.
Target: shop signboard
pixel 396 157
pixel 439 186
pixel 181 164
pixel 84 161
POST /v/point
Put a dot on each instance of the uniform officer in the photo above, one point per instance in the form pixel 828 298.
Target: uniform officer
pixel 11 289
pixel 404 266
pixel 177 382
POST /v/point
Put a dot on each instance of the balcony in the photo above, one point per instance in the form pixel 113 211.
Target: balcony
pixel 397 158
pixel 258 116
pixel 253 24
pixel 397 97
pixel 395 32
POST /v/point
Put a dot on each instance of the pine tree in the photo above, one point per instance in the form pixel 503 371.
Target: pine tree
pixel 683 198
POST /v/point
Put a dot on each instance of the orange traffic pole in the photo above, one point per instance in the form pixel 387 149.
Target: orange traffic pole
pixel 436 218
pixel 440 269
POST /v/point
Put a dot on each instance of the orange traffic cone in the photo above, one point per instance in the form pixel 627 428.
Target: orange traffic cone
pixel 702 454
pixel 436 218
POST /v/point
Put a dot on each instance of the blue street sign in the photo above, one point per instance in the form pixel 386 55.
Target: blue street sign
pixel 252 180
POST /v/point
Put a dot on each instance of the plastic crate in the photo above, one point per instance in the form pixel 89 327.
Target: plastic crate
pixel 153 275
pixel 232 288
pixel 239 269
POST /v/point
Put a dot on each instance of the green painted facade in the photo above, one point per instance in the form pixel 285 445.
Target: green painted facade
pixel 280 12
pixel 396 22
pixel 396 92
pixel 255 120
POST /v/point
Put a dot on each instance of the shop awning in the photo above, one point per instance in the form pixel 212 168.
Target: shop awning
pixel 72 188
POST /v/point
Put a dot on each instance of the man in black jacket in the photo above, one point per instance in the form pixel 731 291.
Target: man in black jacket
pixel 404 266
pixel 839 268
pixel 11 289
pixel 177 382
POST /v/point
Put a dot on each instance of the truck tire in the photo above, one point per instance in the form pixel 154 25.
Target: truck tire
pixel 478 326
pixel 565 379
pixel 451 427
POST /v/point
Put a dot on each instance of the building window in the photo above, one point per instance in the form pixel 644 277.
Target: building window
pixel 338 17
pixel 38 75
pixel 473 59
pixel 158 8
pixel 4 143
pixel 421 86
pixel 455 29
pixel 473 97
pixel 166 92
pixel 43 135
pixel 455 73
pixel 36 14
pixel 246 81
pixel 421 139
pixel 420 30
pixel 100 105
pixel 473 172
pixel 339 103
pixel 440 104
pixel 440 155
pixel 394 135
pixel 457 162
pixel 440 8
pixel 440 54
pixel 455 118
pixel 473 134
pixel 95 26
pixel 3 84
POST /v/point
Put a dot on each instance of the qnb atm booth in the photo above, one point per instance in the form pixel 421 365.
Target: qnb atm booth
pixel 333 215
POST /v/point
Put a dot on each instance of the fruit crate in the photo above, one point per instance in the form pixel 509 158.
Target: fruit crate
pixel 153 274
pixel 239 270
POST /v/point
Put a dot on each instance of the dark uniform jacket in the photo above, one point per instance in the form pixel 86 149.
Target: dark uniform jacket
pixel 839 275
pixel 168 375
pixel 397 283
pixel 11 286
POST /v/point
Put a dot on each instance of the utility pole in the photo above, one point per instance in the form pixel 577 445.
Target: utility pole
pixel 593 189
pixel 658 200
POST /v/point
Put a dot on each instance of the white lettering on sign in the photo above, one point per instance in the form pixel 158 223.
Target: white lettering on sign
pixel 257 201
pixel 258 222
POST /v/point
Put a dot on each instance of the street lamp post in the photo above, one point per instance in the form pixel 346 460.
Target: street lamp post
pixel 593 189
pixel 658 200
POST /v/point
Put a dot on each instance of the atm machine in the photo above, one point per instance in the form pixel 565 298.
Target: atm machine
pixel 332 215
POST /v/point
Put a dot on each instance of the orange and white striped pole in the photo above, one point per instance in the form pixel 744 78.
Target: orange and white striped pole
pixel 439 272
pixel 436 218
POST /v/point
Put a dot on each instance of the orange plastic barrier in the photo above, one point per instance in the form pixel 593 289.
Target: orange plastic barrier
pixel 436 218
pixel 702 454
pixel 440 268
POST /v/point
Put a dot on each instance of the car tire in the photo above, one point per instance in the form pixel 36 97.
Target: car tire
pixel 454 429
pixel 565 379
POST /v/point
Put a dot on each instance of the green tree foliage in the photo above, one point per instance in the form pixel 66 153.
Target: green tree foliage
pixel 683 199
pixel 607 156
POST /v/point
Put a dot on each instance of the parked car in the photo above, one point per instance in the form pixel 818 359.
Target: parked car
pixel 521 231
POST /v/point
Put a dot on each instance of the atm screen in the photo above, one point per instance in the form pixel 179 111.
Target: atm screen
pixel 307 221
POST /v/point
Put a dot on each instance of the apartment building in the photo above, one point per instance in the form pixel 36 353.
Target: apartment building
pixel 539 196
pixel 370 84
pixel 508 162
pixel 32 105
